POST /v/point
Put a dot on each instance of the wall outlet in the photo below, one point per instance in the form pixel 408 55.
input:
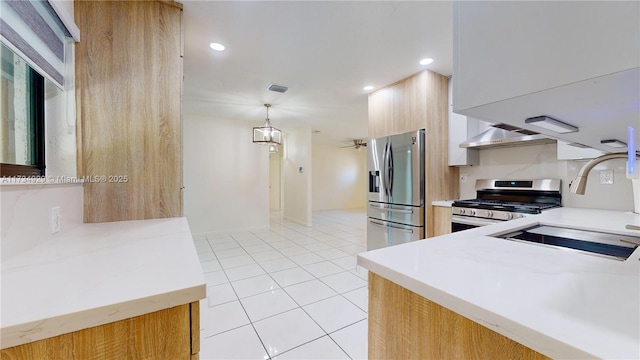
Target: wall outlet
pixel 463 178
pixel 55 219
pixel 606 177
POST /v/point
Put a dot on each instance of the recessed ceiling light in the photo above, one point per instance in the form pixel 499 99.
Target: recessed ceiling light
pixel 216 46
pixel 368 88
pixel 426 61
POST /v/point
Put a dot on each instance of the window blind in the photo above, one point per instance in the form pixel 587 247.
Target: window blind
pixel 33 30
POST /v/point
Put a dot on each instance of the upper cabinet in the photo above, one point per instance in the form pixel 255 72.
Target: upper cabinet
pixel 577 62
pixel 129 94
pixel 461 128
pixel 398 108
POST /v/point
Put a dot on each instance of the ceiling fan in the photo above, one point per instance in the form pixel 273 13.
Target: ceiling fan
pixel 357 144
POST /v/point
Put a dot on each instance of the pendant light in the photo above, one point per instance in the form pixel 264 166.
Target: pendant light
pixel 267 134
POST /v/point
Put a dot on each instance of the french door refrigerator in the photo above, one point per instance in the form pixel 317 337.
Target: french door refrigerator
pixel 395 208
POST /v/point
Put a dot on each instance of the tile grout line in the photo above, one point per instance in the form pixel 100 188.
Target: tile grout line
pixel 256 240
pixel 246 314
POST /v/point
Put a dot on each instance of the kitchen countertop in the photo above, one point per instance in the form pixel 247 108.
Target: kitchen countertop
pixel 97 274
pixel 563 304
pixel 442 203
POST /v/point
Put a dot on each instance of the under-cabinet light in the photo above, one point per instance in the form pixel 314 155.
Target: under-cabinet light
pixel 614 143
pixel 551 124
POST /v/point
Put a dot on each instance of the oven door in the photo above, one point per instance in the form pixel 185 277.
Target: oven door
pixel 459 223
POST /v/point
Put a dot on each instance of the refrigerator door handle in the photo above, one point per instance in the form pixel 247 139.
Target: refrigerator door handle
pixel 385 170
pixel 390 170
pixel 408 231
pixel 391 209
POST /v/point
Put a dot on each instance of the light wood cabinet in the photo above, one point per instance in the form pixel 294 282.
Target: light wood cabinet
pixel 381 113
pixel 405 325
pixel 129 100
pixel 419 102
pixel 172 333
pixel 441 220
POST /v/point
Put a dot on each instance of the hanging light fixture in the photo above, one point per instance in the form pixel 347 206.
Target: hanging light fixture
pixel 267 134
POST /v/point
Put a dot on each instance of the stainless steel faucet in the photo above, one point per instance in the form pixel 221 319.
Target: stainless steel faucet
pixel 580 182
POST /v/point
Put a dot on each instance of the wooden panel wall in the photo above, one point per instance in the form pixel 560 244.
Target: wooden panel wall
pixel 129 95
pixel 441 220
pixel 404 325
pixel 441 180
pixel 165 334
pixel 417 102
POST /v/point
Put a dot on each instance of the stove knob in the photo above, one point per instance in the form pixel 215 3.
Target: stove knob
pixel 472 212
pixel 489 214
pixel 462 211
pixel 509 216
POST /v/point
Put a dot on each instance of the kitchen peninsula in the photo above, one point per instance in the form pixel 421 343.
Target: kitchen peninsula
pixel 471 295
pixel 118 290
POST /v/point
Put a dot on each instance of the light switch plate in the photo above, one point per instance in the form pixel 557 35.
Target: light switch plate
pixel 606 177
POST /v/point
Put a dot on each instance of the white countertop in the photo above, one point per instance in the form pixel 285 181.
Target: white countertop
pixel 563 304
pixel 442 203
pixel 97 274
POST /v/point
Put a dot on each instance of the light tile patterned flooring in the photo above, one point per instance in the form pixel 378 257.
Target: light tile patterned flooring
pixel 291 292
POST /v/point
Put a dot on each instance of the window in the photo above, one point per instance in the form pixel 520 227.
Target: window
pixel 22 138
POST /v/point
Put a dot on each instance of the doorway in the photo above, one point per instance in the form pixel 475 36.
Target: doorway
pixel 275 169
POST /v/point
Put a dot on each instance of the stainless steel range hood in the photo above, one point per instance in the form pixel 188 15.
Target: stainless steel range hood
pixel 505 135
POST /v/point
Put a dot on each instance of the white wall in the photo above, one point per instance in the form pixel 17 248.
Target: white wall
pixel 25 214
pixel 60 133
pixel 540 161
pixel 296 184
pixel 338 177
pixel 226 176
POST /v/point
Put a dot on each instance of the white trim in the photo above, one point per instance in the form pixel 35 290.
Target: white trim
pixel 66 18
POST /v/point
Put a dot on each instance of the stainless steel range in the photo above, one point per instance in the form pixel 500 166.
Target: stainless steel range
pixel 502 200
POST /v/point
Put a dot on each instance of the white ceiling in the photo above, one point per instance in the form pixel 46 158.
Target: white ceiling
pixel 324 51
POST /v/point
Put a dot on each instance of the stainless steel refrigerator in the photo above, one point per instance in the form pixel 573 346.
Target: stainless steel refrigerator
pixel 395 208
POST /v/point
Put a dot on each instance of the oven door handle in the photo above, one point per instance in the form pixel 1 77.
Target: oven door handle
pixel 472 221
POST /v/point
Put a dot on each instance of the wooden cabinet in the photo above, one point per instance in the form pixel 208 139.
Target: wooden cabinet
pixel 517 60
pixel 419 102
pixel 398 108
pixel 172 333
pixel 405 325
pixel 441 220
pixel 129 99
pixel 381 113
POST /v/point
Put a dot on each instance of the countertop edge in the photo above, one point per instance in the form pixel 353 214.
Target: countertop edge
pixel 486 318
pixel 67 323
pixel 397 264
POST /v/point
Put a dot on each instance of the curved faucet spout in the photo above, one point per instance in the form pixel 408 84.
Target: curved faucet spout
pixel 579 184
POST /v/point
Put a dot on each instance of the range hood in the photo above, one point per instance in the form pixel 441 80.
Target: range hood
pixel 505 135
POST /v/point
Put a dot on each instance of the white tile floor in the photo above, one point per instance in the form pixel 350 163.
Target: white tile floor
pixel 291 292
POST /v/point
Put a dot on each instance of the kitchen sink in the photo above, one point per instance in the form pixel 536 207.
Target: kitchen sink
pixel 608 245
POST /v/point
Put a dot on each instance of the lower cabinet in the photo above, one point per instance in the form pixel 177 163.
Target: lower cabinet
pixel 405 325
pixel 441 220
pixel 172 333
